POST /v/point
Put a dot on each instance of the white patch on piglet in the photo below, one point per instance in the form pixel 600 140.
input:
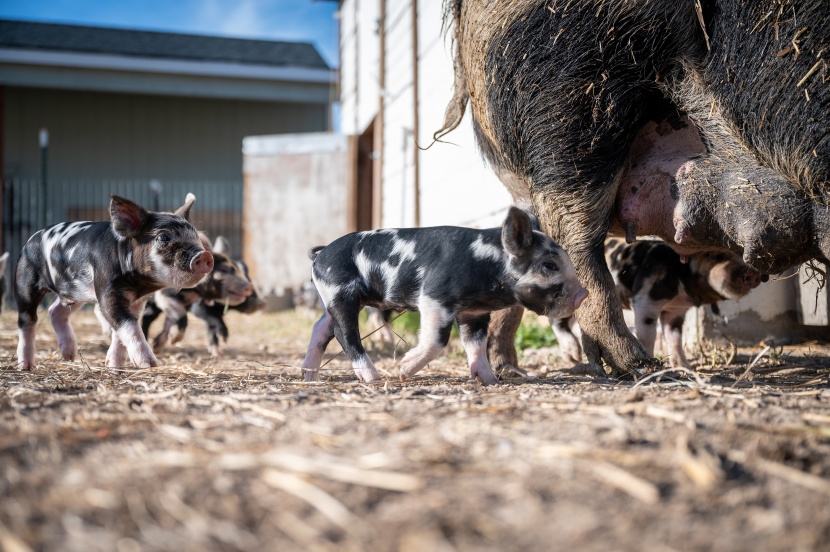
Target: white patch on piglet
pixel 487 251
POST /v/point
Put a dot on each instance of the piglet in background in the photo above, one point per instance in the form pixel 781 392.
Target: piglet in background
pixel 447 273
pixel 116 264
pixel 652 280
pixel 228 287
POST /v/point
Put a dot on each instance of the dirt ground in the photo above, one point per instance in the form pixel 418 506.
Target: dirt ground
pixel 240 454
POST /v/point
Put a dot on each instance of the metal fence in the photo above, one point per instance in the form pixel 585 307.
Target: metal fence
pixel 29 206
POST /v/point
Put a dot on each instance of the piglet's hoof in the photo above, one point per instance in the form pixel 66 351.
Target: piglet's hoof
pixel 483 374
pixel 368 377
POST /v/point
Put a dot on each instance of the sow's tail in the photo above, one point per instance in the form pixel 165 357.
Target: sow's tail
pixel 458 103
pixel 314 251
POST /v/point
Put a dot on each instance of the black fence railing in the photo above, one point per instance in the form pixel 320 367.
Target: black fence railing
pixel 27 209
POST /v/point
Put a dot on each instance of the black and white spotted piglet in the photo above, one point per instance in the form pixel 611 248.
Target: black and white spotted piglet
pixel 117 264
pixel 653 281
pixel 228 286
pixel 447 273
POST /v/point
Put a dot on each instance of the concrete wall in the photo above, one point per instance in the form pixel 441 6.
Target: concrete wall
pixel 295 197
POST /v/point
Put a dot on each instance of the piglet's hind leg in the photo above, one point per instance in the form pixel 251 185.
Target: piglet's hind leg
pixel 28 298
pixel 436 323
pixel 474 339
pixel 672 326
pixel 321 336
pixel 347 331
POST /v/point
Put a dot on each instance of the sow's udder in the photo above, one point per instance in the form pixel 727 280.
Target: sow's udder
pixel 765 219
pixel 697 201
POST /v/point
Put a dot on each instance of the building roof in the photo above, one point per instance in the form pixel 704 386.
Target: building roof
pixel 75 38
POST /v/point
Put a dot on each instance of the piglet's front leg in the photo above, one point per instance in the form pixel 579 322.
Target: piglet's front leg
pixel 127 335
pixel 473 332
pixel 117 353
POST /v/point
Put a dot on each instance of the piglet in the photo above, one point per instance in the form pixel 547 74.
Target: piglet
pixel 117 264
pixel 228 286
pixel 652 280
pixel 447 273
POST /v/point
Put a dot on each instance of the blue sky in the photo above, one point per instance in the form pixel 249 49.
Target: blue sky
pixel 300 20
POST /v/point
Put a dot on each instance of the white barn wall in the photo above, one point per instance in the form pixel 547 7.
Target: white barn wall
pixel 348 68
pixel 368 57
pixel 398 143
pixel 456 186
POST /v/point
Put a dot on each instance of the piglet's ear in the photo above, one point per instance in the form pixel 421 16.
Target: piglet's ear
pixel 3 260
pixel 184 210
pixel 517 232
pixel 222 246
pixel 127 217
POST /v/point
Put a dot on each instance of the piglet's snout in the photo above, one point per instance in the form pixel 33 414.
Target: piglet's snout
pixel 242 289
pixel 580 296
pixel 202 263
pixel 751 279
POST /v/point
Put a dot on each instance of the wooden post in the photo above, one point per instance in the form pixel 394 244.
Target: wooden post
pixel 416 177
pixel 377 201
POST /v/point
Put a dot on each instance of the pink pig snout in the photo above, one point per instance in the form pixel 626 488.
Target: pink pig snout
pixel 202 263
pixel 580 297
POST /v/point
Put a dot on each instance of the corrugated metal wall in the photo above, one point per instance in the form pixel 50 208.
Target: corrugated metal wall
pixel 96 135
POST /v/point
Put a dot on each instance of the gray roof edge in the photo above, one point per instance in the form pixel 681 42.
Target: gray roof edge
pixel 112 62
pixel 33 35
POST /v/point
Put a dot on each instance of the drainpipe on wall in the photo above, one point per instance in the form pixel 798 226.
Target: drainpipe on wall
pixel 377 169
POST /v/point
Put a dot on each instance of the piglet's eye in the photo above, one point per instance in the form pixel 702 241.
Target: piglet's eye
pixel 550 266
pixel 163 239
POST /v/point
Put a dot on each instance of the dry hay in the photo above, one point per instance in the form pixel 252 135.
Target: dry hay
pixel 240 454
